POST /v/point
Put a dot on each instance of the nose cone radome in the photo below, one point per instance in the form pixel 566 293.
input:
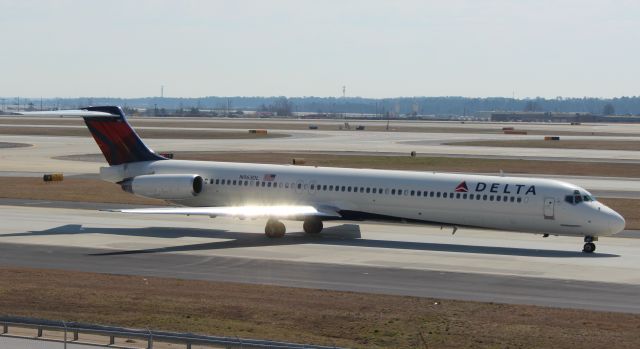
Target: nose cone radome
pixel 616 222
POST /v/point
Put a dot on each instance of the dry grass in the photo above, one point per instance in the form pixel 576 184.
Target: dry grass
pixel 70 189
pixel 144 133
pixel 420 163
pixel 561 144
pixel 13 145
pixel 303 315
pixel 293 124
pixel 628 208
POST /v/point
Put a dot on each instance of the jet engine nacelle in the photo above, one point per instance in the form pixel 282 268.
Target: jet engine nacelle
pixel 165 186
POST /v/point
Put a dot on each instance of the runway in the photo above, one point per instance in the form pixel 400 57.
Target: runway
pixel 479 265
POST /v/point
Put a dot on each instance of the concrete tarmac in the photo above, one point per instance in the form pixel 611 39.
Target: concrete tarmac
pixel 480 265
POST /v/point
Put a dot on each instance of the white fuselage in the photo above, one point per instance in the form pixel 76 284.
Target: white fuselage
pixel 507 203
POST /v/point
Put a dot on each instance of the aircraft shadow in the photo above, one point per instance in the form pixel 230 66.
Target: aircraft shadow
pixel 341 235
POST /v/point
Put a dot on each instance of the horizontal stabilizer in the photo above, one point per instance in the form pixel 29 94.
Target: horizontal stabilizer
pixel 68 113
pixel 282 211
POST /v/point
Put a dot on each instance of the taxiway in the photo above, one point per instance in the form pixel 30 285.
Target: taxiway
pixel 480 265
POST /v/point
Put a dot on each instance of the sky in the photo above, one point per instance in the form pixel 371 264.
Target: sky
pixel 376 48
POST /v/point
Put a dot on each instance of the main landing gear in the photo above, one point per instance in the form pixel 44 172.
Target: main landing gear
pixel 589 246
pixel 312 225
pixel 274 229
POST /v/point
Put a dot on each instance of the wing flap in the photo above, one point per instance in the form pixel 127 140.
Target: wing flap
pixel 280 211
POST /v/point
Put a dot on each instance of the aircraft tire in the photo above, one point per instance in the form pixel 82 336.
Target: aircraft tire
pixel 312 225
pixel 589 247
pixel 274 229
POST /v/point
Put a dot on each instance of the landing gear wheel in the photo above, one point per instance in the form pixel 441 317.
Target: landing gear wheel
pixel 274 229
pixel 589 247
pixel 312 225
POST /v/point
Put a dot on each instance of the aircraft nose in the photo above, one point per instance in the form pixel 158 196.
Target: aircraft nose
pixel 616 222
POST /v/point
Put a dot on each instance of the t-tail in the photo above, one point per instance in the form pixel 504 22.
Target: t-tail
pixel 119 143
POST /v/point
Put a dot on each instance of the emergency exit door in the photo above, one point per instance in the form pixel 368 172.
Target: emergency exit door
pixel 549 209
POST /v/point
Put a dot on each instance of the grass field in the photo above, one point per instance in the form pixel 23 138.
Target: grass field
pixel 144 133
pixel 420 163
pixel 305 315
pixel 323 125
pixel 561 144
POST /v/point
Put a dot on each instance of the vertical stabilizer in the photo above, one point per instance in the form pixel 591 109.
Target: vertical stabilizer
pixel 118 142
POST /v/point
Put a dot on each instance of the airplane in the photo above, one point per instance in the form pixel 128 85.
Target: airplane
pixel 317 194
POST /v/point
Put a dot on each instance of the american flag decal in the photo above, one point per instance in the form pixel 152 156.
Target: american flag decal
pixel 269 178
pixel 462 187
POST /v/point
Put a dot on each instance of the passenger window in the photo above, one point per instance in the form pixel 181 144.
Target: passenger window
pixel 418 193
pixel 399 191
pixel 362 189
pixel 269 184
pixel 413 193
pixel 368 190
pixel 217 181
pixel 498 198
pixel 464 196
pixel 299 185
pixel 343 188
pixel 444 195
pixel 311 187
pixel 484 197
pixel 457 195
pixel 349 189
pixel 519 199
pixel 512 199
pixel 324 187
pixel 330 187
pixel 263 184
pixel 393 192
pixel 438 194
pixel 491 198
pixel 234 182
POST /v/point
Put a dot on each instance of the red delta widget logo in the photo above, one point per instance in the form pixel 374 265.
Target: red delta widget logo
pixel 498 188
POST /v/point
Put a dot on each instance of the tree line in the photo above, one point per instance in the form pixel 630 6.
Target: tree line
pixel 381 107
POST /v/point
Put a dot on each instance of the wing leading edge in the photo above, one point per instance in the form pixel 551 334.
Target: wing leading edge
pixel 250 211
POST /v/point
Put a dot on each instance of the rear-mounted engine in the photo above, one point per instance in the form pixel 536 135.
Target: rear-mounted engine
pixel 165 186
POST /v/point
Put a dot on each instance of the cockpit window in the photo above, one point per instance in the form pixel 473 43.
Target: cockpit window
pixel 578 197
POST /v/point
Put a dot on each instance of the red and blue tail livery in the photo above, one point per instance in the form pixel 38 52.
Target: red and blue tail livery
pixel 118 142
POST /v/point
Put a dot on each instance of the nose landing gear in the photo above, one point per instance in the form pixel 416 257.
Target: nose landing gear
pixel 589 246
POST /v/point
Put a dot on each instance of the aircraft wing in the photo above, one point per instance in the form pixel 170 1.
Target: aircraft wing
pixel 282 211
